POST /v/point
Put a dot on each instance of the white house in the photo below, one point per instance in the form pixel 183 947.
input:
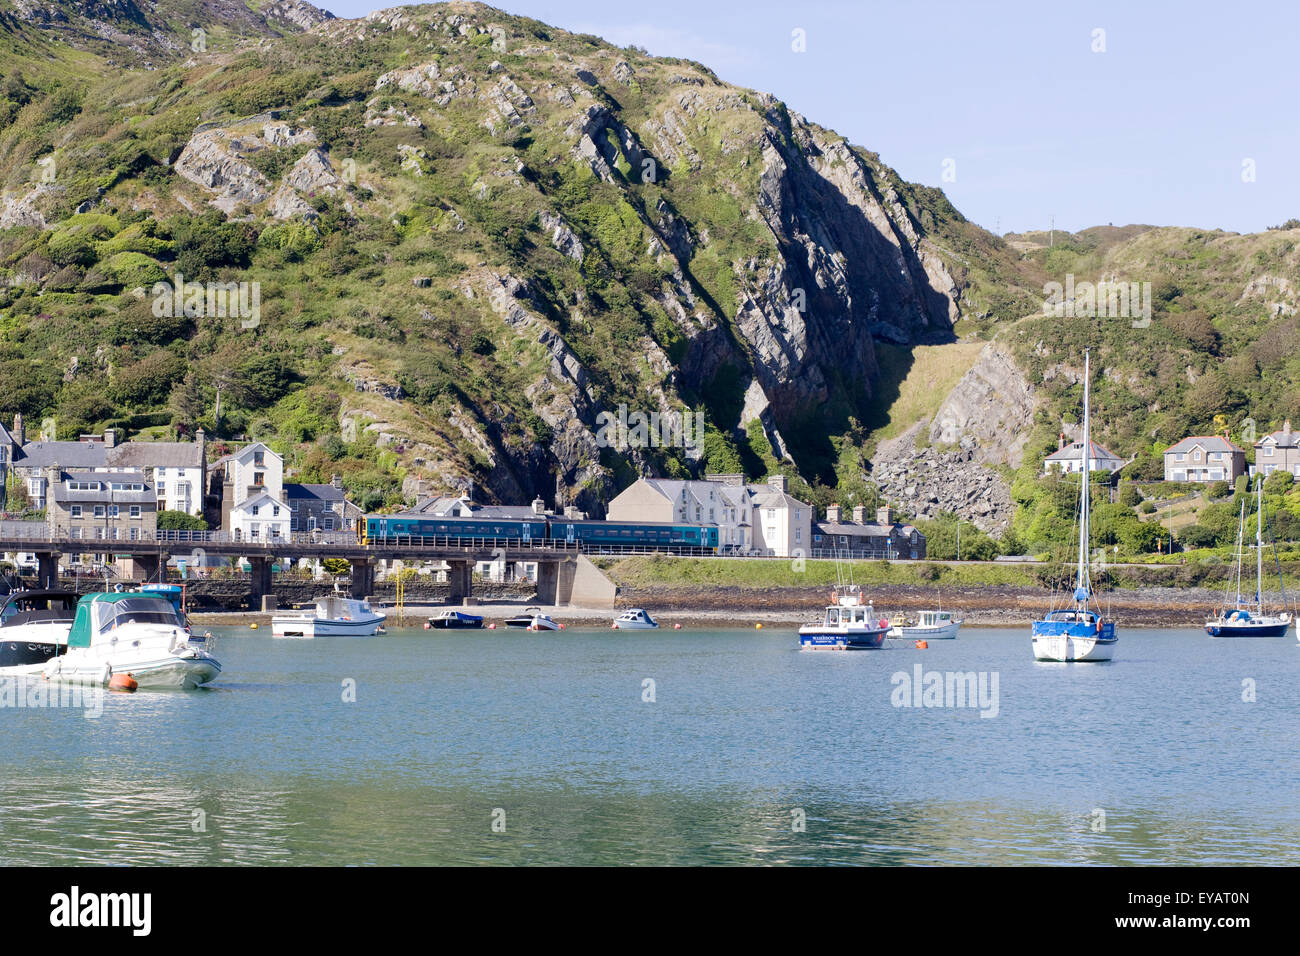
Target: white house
pixel 1069 458
pixel 758 517
pixel 253 505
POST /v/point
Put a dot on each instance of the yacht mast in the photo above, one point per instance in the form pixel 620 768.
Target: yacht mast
pixel 1259 551
pixel 1241 534
pixel 1081 585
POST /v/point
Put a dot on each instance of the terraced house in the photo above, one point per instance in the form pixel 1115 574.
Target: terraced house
pixel 1204 458
pixel 1278 451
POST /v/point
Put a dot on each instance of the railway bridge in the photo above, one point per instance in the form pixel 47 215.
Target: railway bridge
pixel 558 562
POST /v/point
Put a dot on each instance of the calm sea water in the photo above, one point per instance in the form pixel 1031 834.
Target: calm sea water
pixel 452 737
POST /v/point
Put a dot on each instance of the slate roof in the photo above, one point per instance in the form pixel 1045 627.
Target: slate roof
pixel 1074 450
pixel 1208 442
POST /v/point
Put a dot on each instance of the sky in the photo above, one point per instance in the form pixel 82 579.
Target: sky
pixel 1026 114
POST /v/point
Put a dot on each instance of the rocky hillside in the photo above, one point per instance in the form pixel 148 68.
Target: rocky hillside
pixel 473 234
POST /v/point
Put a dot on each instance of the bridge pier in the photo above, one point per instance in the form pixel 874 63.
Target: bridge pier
pixel 47 570
pixel 147 567
pixel 460 581
pixel 363 579
pixel 261 581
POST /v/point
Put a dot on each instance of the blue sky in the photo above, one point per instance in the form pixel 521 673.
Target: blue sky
pixel 1162 126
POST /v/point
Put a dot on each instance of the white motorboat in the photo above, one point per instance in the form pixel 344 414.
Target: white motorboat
pixel 634 619
pixel 134 634
pixel 333 616
pixel 34 625
pixel 928 626
pixel 532 619
pixel 850 623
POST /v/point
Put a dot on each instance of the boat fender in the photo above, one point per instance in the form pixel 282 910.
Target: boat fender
pixel 492 626
pixel 677 627
pixel 427 626
pixel 1098 625
pixel 123 682
pixel 561 627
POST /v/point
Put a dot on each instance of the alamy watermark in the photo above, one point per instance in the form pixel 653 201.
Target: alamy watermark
pixel 946 689
pixel 649 430
pixel 39 694
pixel 213 300
pixel 1110 300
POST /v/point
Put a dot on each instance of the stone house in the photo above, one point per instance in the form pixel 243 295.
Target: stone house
pixel 1278 451
pixel 859 538
pixel 1204 458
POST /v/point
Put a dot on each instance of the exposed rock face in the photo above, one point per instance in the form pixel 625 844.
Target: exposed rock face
pixel 25 210
pixel 990 411
pixel 213 158
pixel 928 481
pixel 422 80
pixel 562 237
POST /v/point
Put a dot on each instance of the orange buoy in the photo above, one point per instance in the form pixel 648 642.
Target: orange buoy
pixel 758 626
pixel 123 682
pixel 922 644
pixel 561 627
pixel 677 627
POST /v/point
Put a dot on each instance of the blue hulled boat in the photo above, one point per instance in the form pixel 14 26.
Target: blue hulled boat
pixel 1239 620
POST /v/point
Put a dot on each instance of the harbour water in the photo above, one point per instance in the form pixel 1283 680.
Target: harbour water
pixel 690 747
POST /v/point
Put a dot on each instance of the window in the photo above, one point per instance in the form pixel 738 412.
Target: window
pixel 99 510
pixel 259 459
pixel 275 509
pixel 135 510
pixel 1268 453
pixel 255 507
pixel 259 478
pixel 114 511
pixel 76 510
pixel 329 524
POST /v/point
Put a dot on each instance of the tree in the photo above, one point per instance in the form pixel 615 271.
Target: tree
pixel 336 566
pixel 180 521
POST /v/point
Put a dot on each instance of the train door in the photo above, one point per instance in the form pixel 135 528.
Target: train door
pixel 528 532
pixel 568 534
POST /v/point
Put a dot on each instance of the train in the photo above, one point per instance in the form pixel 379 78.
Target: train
pixel 588 533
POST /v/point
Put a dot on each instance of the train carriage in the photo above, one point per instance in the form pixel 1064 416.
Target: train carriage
pixel 399 529
pixel 595 535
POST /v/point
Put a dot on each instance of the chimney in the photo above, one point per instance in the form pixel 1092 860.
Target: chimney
pixel 833 513
pixel 539 506
pixel 337 482
pixel 778 483
pixel 1061 442
pixel 859 514
pixel 110 437
pixel 1286 427
pixel 200 436
pixel 20 430
pixel 884 516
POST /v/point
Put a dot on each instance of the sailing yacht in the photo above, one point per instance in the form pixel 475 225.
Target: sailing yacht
pixel 1239 621
pixel 1078 632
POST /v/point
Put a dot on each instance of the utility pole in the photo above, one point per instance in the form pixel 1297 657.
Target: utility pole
pixel 1051 235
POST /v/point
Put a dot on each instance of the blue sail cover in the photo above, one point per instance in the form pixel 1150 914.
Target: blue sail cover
pixel 1081 594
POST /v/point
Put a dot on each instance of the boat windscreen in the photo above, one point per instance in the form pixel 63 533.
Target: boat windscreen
pixel 140 611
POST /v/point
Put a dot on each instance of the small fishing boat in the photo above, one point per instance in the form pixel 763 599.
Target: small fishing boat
pixel 850 623
pixel 134 634
pixel 333 616
pixel 451 620
pixel 634 619
pixel 34 625
pixel 928 626
pixel 533 619
pixel 1077 633
pixel 1239 620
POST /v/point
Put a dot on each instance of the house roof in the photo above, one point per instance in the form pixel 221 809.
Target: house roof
pixel 320 492
pixel 65 454
pixel 1208 442
pixel 257 499
pixel 1282 439
pixel 1074 450
pixel 106 495
pixel 156 454
pixel 443 505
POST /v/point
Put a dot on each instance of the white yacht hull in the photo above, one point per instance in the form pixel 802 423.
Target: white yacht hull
pixel 634 626
pixel 1067 648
